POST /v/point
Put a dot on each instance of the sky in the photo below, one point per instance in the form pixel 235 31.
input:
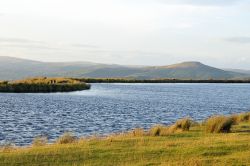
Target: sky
pixel 128 32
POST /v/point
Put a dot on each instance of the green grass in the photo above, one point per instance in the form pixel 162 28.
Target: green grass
pixel 193 147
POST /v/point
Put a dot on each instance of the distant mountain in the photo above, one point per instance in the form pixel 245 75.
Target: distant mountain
pixel 16 68
pixel 238 71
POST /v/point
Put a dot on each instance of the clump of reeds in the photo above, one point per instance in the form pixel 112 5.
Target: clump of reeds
pixel 179 126
pixel 219 124
pixel 40 141
pixel 242 117
pixel 182 124
pixel 67 138
pixel 138 132
pixel 158 130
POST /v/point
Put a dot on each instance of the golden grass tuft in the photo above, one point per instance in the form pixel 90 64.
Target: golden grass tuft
pixel 183 124
pixel 40 141
pixel 179 126
pixel 138 132
pixel 242 117
pixel 219 124
pixel 66 138
pixel 159 130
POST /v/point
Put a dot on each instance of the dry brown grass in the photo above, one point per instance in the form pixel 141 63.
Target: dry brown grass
pixel 179 126
pixel 40 141
pixel 242 117
pixel 183 124
pixel 219 124
pixel 47 80
pixel 67 138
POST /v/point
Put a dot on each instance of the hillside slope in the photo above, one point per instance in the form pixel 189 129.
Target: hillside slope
pixel 16 68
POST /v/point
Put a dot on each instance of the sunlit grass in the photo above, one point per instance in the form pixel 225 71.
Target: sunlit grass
pixel 138 147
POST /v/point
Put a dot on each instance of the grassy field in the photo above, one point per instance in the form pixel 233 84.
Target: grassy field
pixel 193 147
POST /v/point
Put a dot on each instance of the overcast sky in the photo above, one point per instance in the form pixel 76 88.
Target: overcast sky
pixel 135 32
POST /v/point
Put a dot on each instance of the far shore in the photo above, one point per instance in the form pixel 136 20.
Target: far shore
pixel 122 80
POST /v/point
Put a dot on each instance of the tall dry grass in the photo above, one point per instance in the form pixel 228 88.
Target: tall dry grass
pixel 66 138
pixel 179 126
pixel 219 124
pixel 242 117
pixel 40 141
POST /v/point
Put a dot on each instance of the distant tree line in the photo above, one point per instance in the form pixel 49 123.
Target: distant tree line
pixel 122 80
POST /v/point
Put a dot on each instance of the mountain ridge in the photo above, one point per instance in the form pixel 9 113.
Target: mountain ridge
pixel 12 68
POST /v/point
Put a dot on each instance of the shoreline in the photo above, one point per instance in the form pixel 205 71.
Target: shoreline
pixel 118 80
pixel 43 85
pixel 219 140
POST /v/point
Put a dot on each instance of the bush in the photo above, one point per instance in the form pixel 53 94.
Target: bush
pixel 66 138
pixel 40 141
pixel 219 124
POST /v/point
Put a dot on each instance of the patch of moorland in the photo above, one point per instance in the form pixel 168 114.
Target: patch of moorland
pixel 218 140
pixel 43 85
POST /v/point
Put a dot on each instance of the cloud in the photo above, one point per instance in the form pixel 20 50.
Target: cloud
pixel 202 2
pixel 84 46
pixel 19 40
pixel 243 40
pixel 25 43
pixel 29 46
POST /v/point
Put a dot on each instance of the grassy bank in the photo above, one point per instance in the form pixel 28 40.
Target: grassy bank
pixel 183 143
pixel 43 85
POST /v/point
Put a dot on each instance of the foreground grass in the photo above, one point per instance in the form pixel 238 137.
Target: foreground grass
pixel 194 147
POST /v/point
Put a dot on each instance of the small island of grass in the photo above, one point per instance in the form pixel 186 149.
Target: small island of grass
pixel 43 85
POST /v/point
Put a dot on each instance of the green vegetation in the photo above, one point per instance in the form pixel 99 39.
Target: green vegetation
pixel 189 144
pixel 43 85
pixel 132 80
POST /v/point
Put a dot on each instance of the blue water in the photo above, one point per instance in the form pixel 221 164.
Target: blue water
pixel 111 108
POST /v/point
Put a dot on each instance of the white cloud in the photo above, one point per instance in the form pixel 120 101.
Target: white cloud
pixel 108 30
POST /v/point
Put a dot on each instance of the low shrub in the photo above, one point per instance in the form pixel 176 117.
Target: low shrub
pixel 67 138
pixel 219 124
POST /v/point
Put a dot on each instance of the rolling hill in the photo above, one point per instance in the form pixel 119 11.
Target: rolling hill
pixel 16 68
